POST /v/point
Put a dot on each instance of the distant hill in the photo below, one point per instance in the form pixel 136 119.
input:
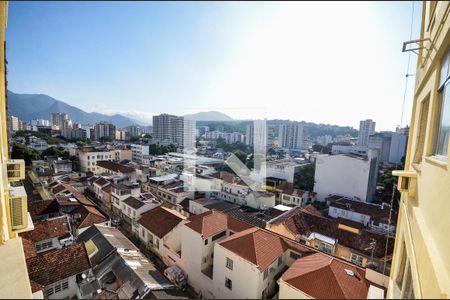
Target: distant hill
pixel 39 106
pixel 209 116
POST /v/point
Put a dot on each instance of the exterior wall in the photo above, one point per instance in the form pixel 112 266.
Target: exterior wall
pixel 281 170
pixel 422 241
pixel 336 212
pixel 289 292
pixel 68 293
pixel 342 175
pixel 88 160
pixel 249 288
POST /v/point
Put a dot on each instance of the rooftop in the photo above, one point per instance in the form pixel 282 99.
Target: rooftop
pixel 115 167
pixel 57 264
pixel 212 222
pixel 133 202
pixel 48 229
pixel 257 246
pixel 160 220
pixel 338 279
pixel 377 212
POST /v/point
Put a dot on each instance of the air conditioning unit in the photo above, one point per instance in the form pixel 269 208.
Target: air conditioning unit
pixel 18 208
pixel 407 182
pixel 16 169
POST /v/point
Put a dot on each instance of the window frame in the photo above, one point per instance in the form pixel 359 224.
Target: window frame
pixel 229 263
pixel 228 283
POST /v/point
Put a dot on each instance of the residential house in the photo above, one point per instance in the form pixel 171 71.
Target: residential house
pixel 134 207
pixel 120 192
pixel 89 157
pixel 319 276
pixel 49 234
pixel 160 230
pixel 378 218
pixel 59 272
pixel 117 169
pixel 296 197
pixel 341 238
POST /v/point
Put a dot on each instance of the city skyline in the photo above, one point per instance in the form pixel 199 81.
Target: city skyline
pixel 151 61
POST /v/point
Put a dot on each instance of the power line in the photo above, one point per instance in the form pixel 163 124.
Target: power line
pixel 407 68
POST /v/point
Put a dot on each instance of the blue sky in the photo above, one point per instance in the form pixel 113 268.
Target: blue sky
pixel 319 62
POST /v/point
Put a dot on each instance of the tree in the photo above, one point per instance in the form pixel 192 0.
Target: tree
pixel 55 151
pixel 386 182
pixel 104 139
pixel 305 178
pixel 134 139
pixel 26 153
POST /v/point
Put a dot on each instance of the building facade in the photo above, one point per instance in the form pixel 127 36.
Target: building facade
pixel 366 129
pixel 421 264
pixel 174 129
pixel 104 129
pixel 292 136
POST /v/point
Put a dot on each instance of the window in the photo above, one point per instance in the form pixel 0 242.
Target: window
pixel 356 259
pixel 294 255
pixel 43 245
pixel 280 260
pixel 58 287
pixel 218 236
pixel 157 243
pixel 326 248
pixel 228 283
pixel 423 118
pixel 443 114
pixel 229 263
pixel 266 273
pixel 206 241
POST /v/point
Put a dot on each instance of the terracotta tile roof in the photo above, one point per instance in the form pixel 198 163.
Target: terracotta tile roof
pixel 256 245
pixel 133 202
pixel 43 207
pixel 29 249
pixel 58 189
pixel 228 178
pixel 47 229
pixel 312 210
pixel 101 181
pixel 322 277
pixel 115 167
pixel 160 220
pixel 89 216
pixel 77 195
pixel 212 222
pixel 58 264
pixel 293 192
pixel 302 223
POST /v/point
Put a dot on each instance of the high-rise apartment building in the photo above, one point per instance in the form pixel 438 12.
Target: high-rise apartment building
pixel 14 218
pixel 421 260
pixel 366 129
pixel 292 135
pixel 13 124
pixel 104 129
pixel 61 120
pixel 174 129
pixel 256 134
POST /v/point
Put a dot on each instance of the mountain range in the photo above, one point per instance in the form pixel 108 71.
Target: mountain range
pixel 40 106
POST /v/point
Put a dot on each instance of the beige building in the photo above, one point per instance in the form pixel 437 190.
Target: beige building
pixel 421 262
pixel 89 157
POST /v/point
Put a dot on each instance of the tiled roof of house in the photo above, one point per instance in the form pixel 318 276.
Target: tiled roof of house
pixel 323 277
pixel 302 223
pixel 228 178
pixel 47 229
pixel 42 207
pixel 256 245
pixel 375 211
pixel 29 248
pixel 101 181
pixel 58 264
pixel 160 220
pixel 58 189
pixel 77 195
pixel 212 222
pixel 89 216
pixel 133 202
pixel 115 167
pixel 293 192
pixel 107 189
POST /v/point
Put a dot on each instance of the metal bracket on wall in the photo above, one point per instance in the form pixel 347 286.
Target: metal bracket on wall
pixel 416 45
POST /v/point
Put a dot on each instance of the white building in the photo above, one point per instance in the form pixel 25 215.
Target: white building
pixel 256 135
pixel 391 146
pixel 285 169
pixel 339 149
pixel 138 151
pixel 89 158
pixel 347 175
pixel 292 136
pixel 176 130
pixel 366 129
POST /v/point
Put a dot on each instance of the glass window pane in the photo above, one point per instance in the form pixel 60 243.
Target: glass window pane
pixel 444 124
pixel 444 68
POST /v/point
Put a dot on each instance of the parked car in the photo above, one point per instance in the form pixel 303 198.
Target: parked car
pixel 176 276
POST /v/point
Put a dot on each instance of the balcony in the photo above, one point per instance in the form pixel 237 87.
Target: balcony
pixel 16 169
pixel 14 282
